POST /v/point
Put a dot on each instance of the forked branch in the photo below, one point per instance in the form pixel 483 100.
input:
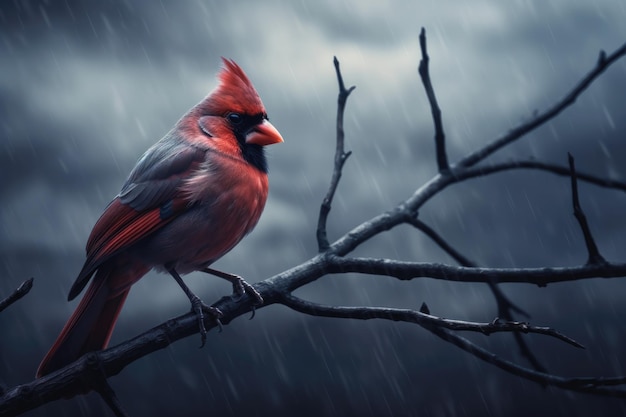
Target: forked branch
pixel 421 318
pixel 592 249
pixel 440 137
pixel 340 158
pixel 537 120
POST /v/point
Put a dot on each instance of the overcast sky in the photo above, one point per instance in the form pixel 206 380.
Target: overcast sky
pixel 86 87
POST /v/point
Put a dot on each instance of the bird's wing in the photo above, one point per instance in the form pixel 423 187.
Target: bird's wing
pixel 150 199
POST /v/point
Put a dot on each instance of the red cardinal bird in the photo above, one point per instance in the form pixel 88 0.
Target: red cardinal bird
pixel 189 200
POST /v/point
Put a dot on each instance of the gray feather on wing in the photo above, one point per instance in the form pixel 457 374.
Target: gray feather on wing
pixel 160 171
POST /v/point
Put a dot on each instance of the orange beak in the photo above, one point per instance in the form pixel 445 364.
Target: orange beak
pixel 263 134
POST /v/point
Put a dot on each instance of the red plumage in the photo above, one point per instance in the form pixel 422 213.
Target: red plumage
pixel 189 200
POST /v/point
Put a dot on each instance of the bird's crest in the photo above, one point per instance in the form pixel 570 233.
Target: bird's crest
pixel 233 74
pixel 235 93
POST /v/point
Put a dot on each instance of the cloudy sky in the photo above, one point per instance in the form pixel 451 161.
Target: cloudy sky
pixel 86 87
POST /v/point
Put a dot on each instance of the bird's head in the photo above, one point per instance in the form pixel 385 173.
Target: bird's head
pixel 234 110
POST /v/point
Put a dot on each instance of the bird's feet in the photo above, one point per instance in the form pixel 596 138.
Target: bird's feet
pixel 240 286
pixel 199 307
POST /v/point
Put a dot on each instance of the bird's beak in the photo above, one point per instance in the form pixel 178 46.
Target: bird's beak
pixel 263 134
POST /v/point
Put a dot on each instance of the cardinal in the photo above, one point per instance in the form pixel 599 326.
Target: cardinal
pixel 189 200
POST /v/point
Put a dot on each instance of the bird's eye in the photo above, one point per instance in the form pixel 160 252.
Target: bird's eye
pixel 234 118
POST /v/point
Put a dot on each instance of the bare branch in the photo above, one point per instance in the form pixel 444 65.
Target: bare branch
pixel 505 312
pixel 440 138
pixel 592 249
pixel 422 318
pixel 70 380
pixel 599 381
pixel 92 367
pixel 436 185
pixel 21 291
pixel 480 171
pixel 409 270
pixel 601 65
pixel 340 158
pixel 505 305
pixel 598 386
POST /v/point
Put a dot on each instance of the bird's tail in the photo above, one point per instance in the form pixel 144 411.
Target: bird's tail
pixel 90 326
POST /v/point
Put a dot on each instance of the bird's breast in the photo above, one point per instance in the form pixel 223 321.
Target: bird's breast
pixel 226 198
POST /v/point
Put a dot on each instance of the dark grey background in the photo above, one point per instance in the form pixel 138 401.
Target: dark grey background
pixel 86 87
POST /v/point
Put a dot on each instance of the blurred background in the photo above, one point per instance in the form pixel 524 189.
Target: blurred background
pixel 86 87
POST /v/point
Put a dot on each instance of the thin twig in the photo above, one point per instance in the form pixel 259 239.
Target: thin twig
pixel 21 291
pixel 504 303
pixel 506 307
pixel 484 170
pixel 440 138
pixel 601 65
pixel 397 215
pixel 505 312
pixel 592 249
pixel 405 270
pixel 598 386
pixel 418 317
pixel 340 158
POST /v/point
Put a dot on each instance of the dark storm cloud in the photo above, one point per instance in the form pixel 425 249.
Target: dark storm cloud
pixel 86 87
